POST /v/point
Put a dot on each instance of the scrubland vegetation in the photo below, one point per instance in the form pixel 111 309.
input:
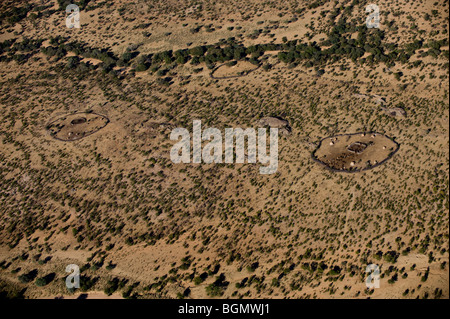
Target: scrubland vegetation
pixel 142 227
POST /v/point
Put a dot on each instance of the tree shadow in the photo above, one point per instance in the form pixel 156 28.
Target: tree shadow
pixel 50 277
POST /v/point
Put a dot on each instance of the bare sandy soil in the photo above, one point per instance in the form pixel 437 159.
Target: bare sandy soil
pixel 88 295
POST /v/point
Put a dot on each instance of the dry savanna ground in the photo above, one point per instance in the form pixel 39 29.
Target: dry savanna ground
pixel 106 196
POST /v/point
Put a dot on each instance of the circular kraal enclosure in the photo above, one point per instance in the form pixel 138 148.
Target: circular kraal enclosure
pixel 75 126
pixel 355 152
pixel 233 69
